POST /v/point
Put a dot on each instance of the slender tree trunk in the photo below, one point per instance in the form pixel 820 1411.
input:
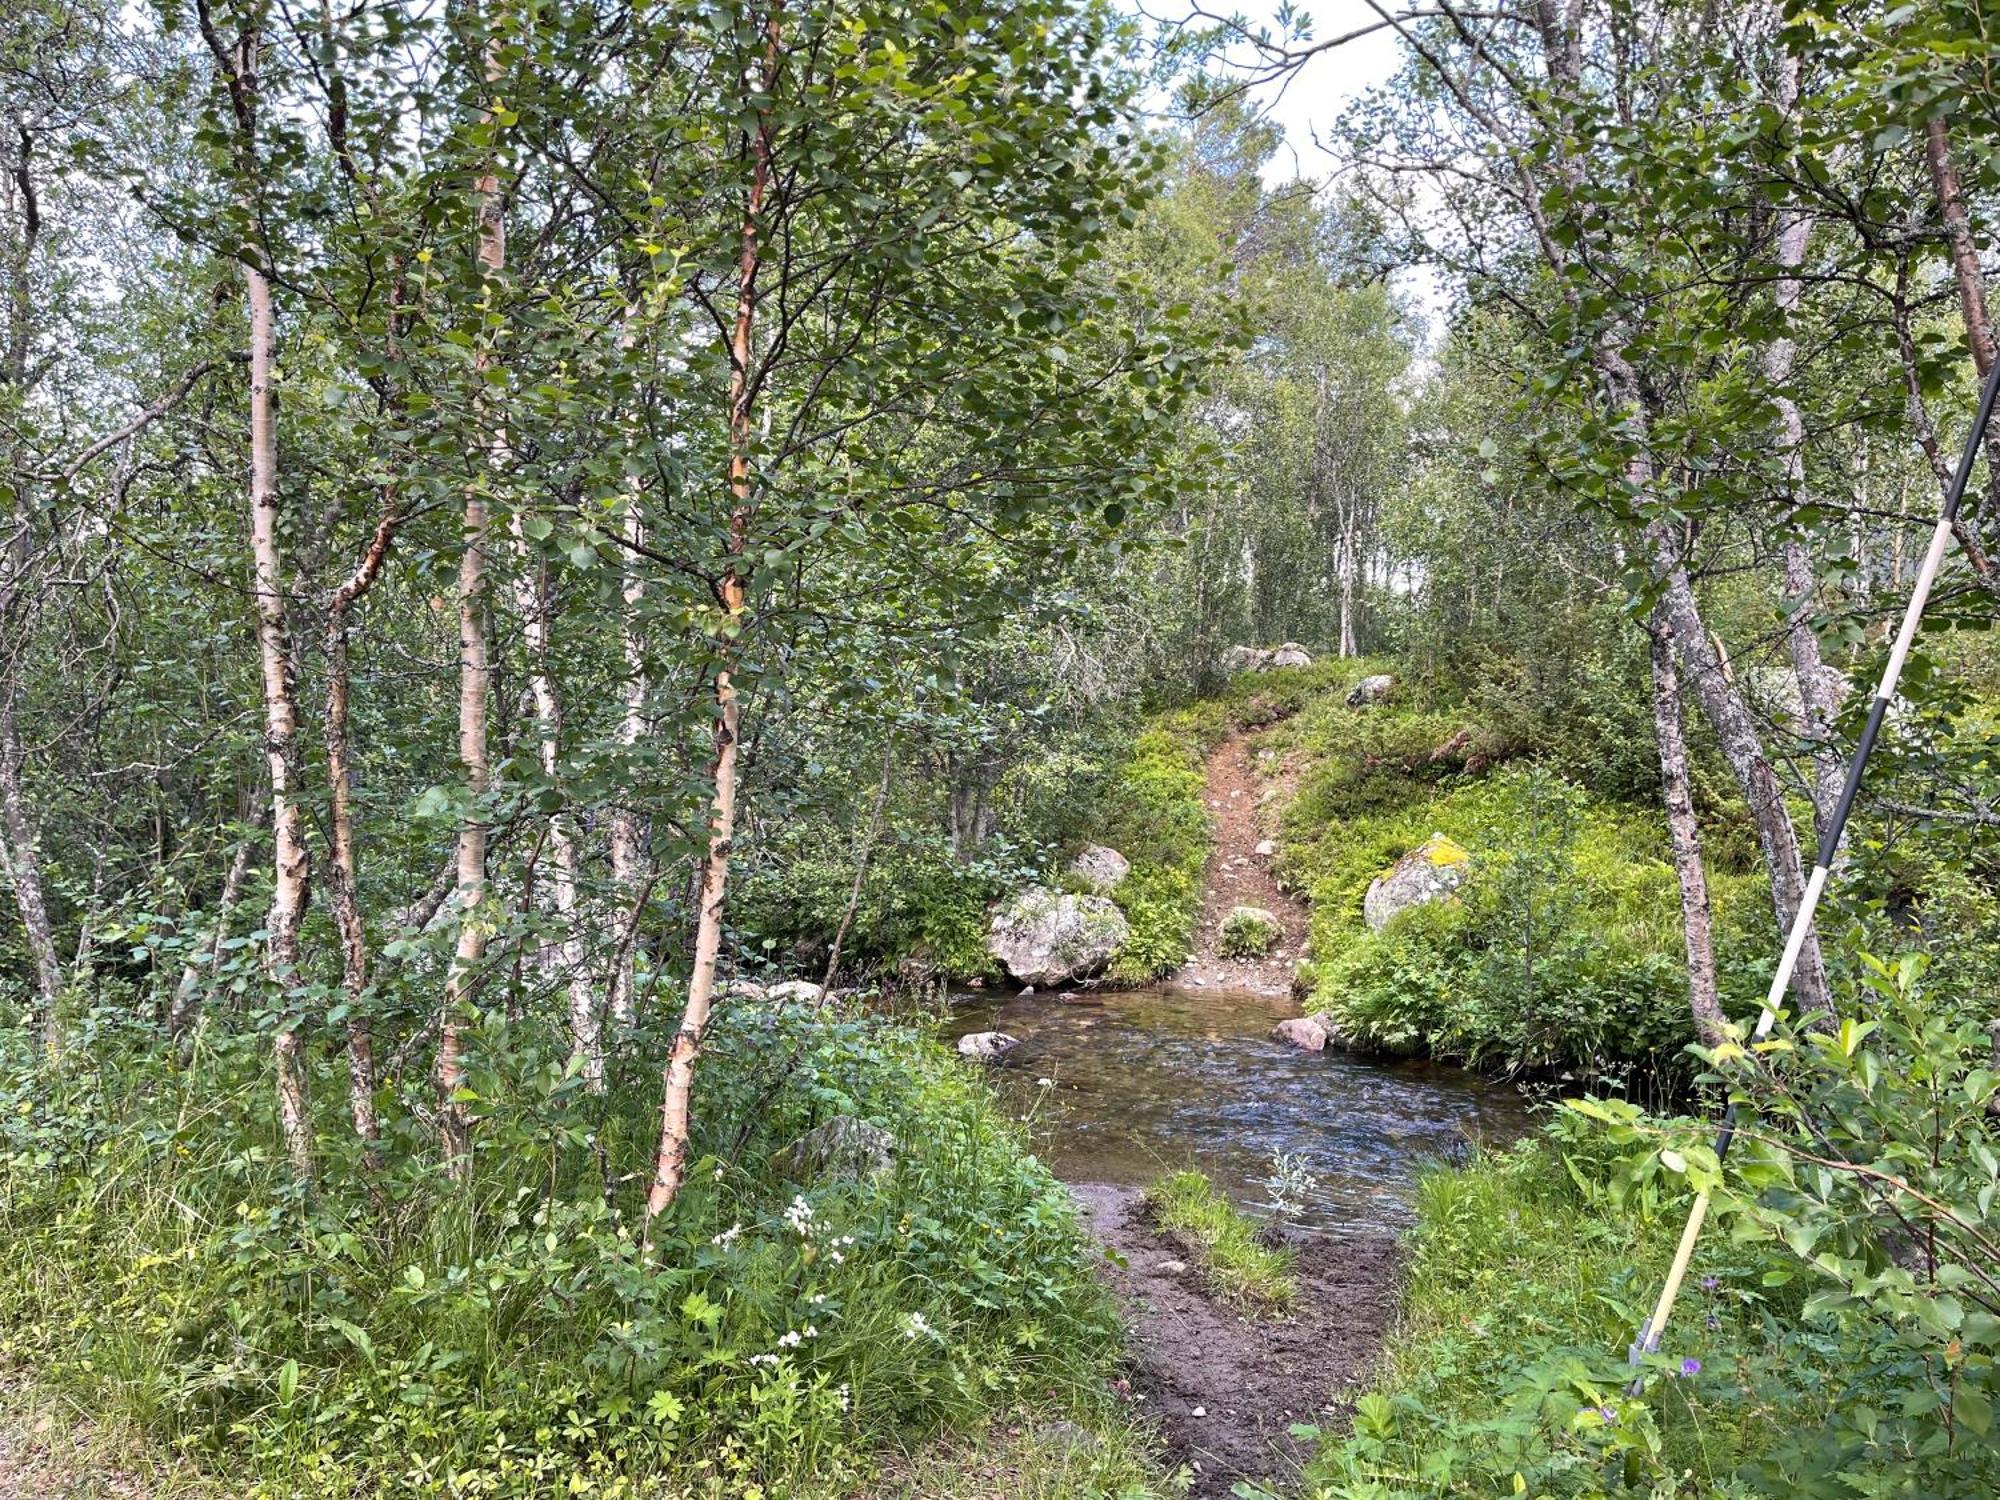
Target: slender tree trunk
pixel 20 833
pixel 1819 704
pixel 629 872
pixel 670 1164
pixel 343 882
pixel 1736 733
pixel 1677 793
pixel 862 857
pixel 291 860
pixel 21 853
pixel 1971 282
pixel 474 680
pixel 586 1019
pixel 1347 533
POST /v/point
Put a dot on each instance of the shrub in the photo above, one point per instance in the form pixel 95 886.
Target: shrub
pixel 1248 933
pixel 400 1333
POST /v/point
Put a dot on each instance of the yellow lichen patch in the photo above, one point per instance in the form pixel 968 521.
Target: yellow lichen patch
pixel 1443 851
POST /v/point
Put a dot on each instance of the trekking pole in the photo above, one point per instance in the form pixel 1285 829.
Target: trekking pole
pixel 1648 1340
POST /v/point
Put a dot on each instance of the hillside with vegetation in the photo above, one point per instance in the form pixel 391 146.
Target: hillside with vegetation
pixel 876 750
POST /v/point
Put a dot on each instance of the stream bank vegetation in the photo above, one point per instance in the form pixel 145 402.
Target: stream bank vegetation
pixel 1229 1257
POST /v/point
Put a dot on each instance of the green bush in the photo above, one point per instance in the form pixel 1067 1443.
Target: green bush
pixel 1247 934
pixel 505 1336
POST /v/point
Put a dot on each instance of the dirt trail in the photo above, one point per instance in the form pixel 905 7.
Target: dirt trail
pixel 1226 1388
pixel 1243 812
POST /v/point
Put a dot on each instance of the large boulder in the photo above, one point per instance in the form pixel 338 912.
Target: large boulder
pixel 844 1149
pixel 1043 937
pixel 987 1046
pixel 1371 690
pixel 1430 872
pixel 1265 658
pixel 1100 868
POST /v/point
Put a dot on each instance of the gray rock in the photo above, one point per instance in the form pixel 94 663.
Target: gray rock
pixel 1266 848
pixel 987 1045
pixel 1173 1267
pixel 1264 658
pixel 844 1149
pixel 1430 872
pixel 786 991
pixel 1371 690
pixel 1100 868
pixel 743 989
pixel 1302 1032
pixel 1045 938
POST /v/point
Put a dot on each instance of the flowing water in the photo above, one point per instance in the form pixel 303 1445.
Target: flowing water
pixel 1144 1081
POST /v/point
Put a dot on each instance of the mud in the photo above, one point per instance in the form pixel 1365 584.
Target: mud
pixel 1225 1387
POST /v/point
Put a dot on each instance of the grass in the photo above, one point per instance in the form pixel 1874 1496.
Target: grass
pixel 1223 1241
pixel 403 1335
pixel 1524 1287
pixel 1031 1455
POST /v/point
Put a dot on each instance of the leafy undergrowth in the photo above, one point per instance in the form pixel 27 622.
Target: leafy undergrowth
pixel 1223 1240
pixel 1563 950
pixel 1530 1272
pixel 504 1336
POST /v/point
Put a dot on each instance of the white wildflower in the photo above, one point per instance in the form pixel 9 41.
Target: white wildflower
pixel 763 1359
pixel 789 1339
pixel 915 1325
pixel 728 1237
pixel 800 1216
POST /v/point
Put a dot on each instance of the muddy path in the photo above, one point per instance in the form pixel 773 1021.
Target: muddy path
pixel 1224 1387
pixel 1243 807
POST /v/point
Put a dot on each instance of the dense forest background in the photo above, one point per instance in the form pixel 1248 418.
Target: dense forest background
pixel 524 523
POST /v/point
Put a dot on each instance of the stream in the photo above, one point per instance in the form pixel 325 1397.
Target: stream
pixel 1148 1080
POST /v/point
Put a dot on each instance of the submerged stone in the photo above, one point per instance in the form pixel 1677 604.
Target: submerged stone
pixel 1303 1032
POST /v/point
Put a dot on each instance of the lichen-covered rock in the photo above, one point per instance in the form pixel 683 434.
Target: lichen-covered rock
pixel 1046 938
pixel 1266 848
pixel 1303 1032
pixel 1371 690
pixel 1248 932
pixel 803 991
pixel 1102 869
pixel 1265 658
pixel 844 1149
pixel 987 1046
pixel 1430 872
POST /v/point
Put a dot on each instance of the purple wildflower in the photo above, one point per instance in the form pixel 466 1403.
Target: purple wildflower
pixel 1710 1283
pixel 1609 1415
pixel 1690 1367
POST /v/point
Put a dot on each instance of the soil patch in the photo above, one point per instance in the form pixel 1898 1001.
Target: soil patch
pixel 1243 810
pixel 1225 1386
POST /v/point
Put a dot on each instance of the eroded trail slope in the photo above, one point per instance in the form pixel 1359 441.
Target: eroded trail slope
pixel 1243 810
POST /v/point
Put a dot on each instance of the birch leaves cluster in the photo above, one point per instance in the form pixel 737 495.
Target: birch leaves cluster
pixel 514 409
